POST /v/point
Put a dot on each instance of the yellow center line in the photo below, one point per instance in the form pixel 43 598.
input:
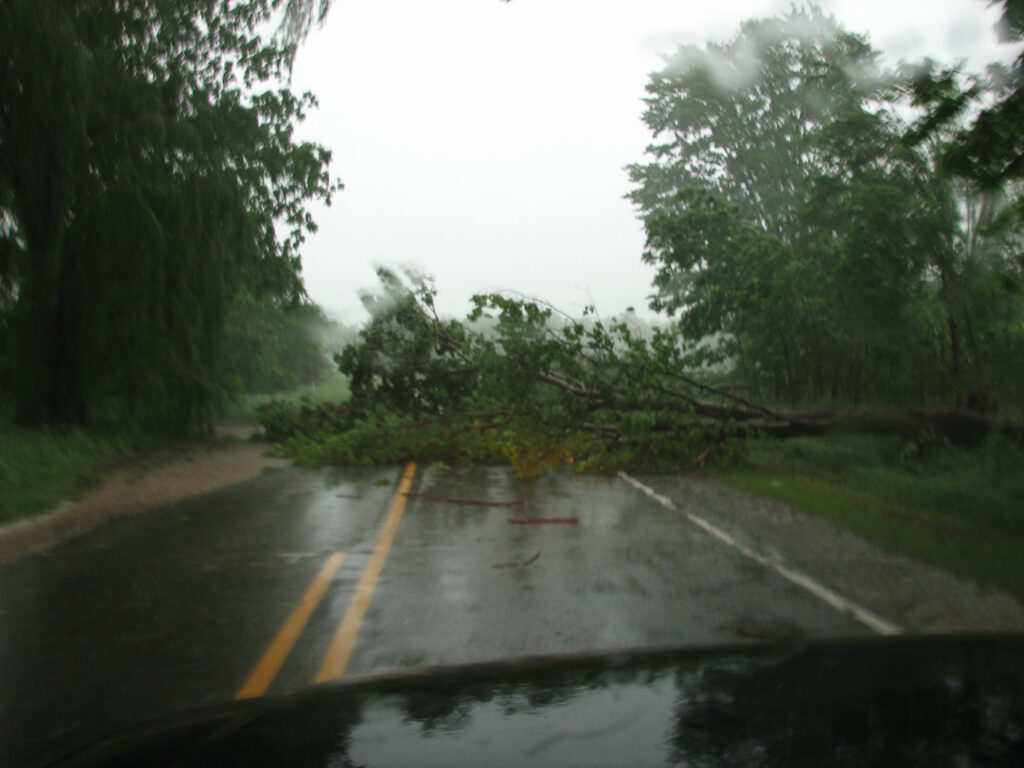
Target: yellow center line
pixel 335 661
pixel 269 665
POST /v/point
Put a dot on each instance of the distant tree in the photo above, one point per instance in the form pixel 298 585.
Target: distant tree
pixel 974 127
pixel 779 212
pixel 741 118
pixel 148 169
pixel 270 346
pixel 790 220
pixel 990 149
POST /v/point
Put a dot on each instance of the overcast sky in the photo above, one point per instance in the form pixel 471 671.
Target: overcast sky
pixel 483 143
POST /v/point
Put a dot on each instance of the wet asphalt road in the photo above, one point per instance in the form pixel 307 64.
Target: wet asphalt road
pixel 173 609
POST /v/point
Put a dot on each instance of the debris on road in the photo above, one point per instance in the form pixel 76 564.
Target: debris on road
pixel 517 563
pixel 475 502
pixel 532 520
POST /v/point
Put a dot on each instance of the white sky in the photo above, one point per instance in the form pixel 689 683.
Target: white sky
pixel 483 143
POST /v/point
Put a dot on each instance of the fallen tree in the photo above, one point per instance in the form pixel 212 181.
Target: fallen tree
pixel 517 381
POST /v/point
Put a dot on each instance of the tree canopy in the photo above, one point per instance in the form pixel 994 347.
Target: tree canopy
pixel 272 346
pixel 987 113
pixel 148 170
pixel 818 270
pixel 790 219
pixel 513 382
pixel 743 118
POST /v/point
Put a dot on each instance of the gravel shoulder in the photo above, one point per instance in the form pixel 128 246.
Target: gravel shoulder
pixel 137 487
pixel 918 597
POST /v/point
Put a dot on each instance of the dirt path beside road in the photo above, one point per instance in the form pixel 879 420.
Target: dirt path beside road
pixel 137 487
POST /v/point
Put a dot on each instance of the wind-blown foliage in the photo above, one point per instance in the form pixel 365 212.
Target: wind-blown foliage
pixel 512 382
pixel 518 382
pixel 990 149
pixel 805 249
pixel 147 170
pixel 974 127
pixel 742 118
pixel 269 346
pixel 790 220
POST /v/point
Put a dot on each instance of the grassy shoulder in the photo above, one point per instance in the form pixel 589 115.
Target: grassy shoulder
pixel 961 510
pixel 41 467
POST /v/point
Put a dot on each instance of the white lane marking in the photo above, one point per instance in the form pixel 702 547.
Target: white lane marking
pixel 861 614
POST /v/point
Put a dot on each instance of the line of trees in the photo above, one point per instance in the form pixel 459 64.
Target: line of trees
pixel 844 232
pixel 815 241
pixel 148 174
pixel 827 220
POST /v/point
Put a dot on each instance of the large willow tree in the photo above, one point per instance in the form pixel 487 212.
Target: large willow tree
pixel 148 170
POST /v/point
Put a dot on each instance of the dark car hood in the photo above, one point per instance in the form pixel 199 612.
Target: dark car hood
pixel 909 701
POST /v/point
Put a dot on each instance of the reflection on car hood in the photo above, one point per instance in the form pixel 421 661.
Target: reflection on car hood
pixel 909 701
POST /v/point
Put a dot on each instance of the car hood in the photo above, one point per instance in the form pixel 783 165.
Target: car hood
pixel 928 701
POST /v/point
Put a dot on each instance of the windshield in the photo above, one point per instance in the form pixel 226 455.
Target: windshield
pixel 341 338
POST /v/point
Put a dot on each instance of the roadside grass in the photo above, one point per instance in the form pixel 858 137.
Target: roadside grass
pixel 241 412
pixel 41 467
pixel 961 510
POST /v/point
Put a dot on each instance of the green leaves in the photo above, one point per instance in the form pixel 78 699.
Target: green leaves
pixel 988 149
pixel 799 237
pixel 516 382
pixel 148 170
pixel 269 346
pixel 407 358
pixel 738 118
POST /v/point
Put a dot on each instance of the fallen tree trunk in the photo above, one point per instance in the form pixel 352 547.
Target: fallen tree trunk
pixel 620 388
pixel 958 426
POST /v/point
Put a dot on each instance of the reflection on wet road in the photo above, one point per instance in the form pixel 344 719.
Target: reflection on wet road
pixel 245 592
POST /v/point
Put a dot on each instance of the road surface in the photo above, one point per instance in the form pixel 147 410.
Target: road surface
pixel 305 576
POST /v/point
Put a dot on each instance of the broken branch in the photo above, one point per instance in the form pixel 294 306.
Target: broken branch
pixel 473 502
pixel 535 520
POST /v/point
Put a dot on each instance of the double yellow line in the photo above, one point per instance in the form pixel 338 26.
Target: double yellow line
pixel 335 661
